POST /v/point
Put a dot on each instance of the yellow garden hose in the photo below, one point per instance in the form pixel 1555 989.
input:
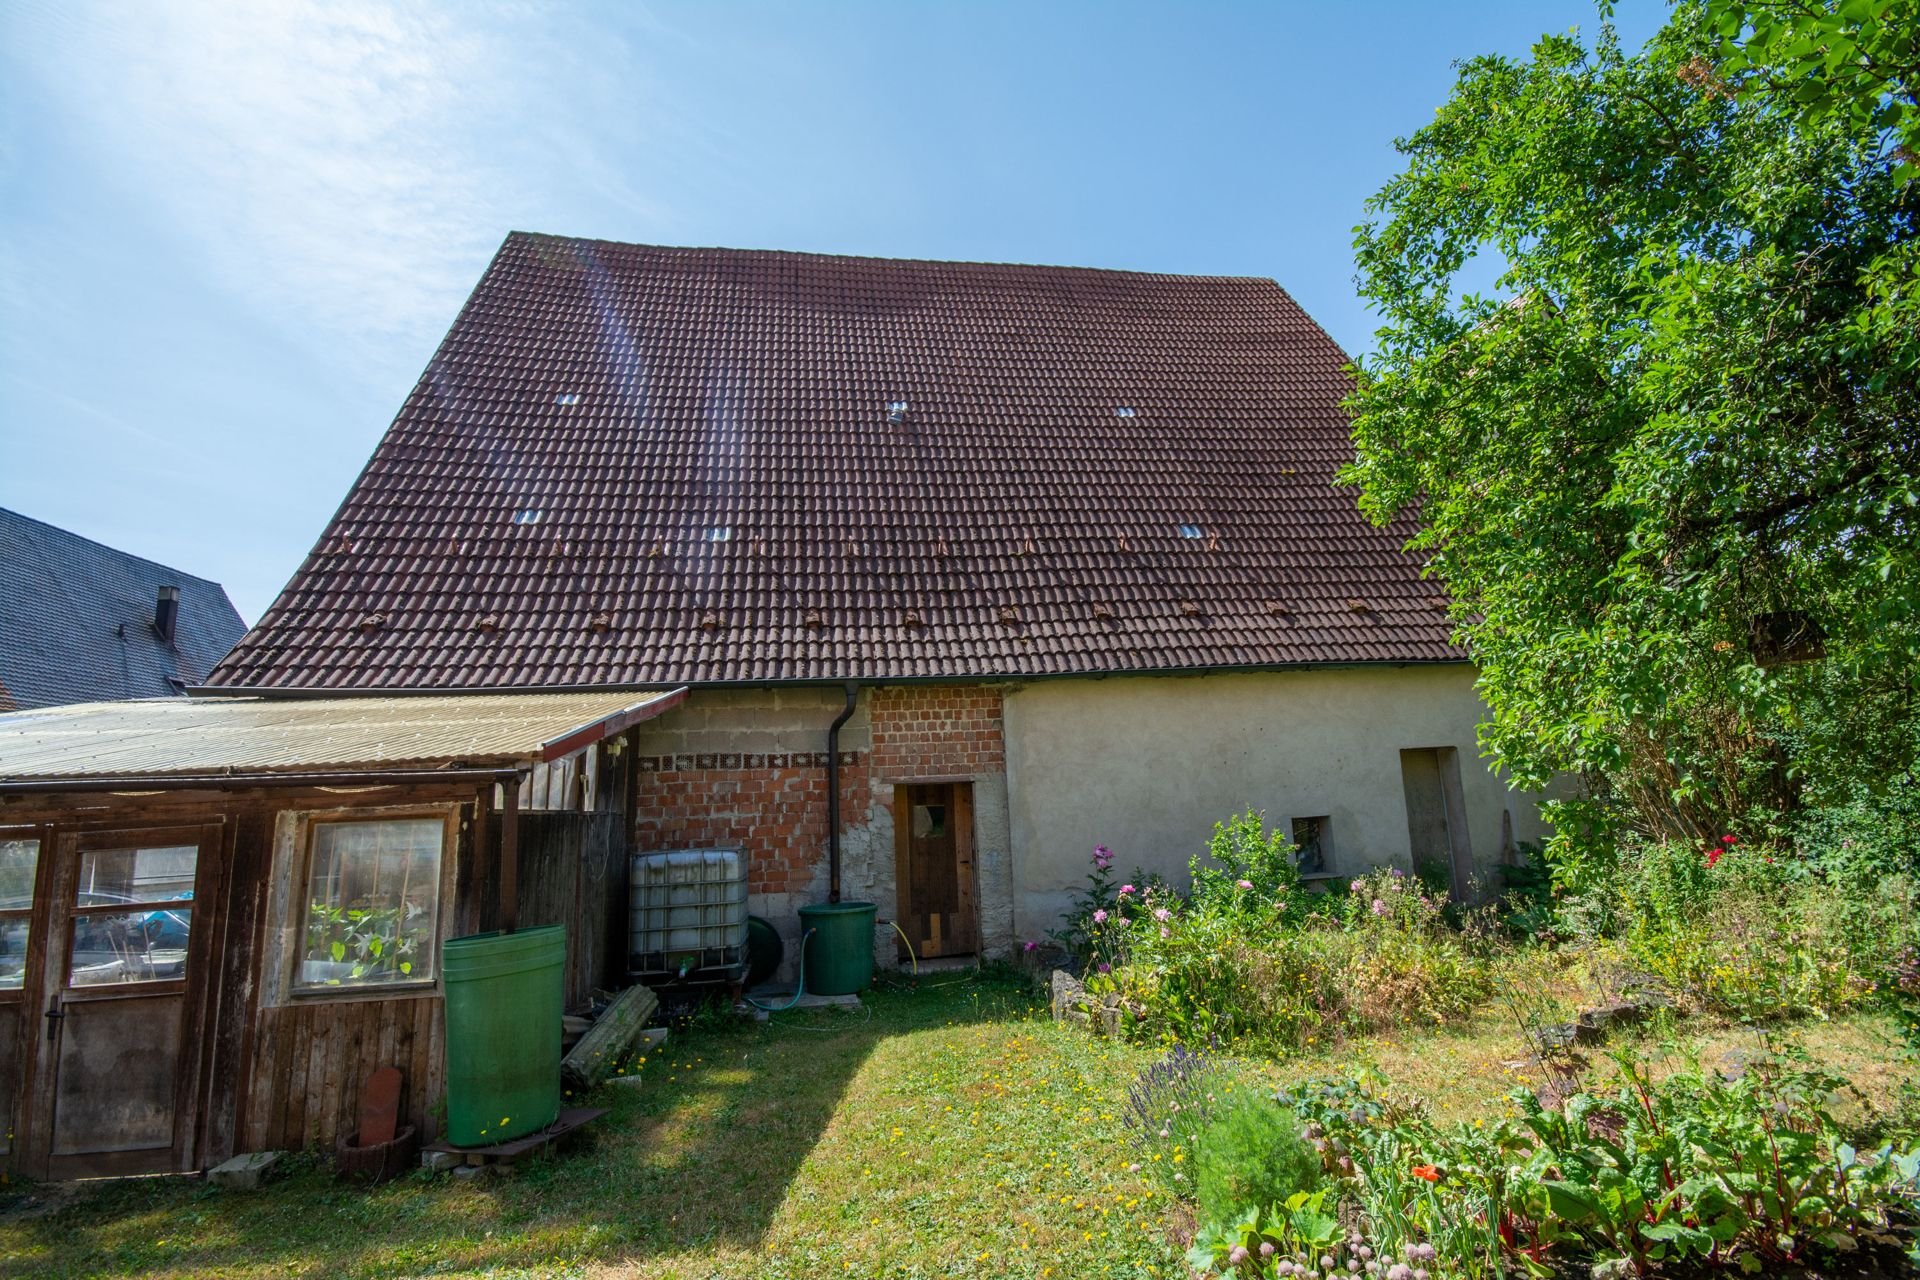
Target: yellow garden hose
pixel 909 945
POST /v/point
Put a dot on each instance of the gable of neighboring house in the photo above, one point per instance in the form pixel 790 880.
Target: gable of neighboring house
pixel 82 622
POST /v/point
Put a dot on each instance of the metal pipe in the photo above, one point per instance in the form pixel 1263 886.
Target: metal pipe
pixel 833 792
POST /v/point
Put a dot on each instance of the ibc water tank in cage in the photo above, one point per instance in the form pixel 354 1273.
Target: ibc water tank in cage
pixel 689 915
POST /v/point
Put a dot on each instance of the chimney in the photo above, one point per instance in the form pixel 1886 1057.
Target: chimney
pixel 166 613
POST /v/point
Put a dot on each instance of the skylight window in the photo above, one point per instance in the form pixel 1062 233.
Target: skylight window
pixel 567 397
pixel 896 411
pixel 719 533
pixel 1192 531
pixel 530 516
pixel 1125 411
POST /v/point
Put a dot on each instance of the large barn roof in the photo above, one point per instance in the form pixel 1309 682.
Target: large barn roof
pixel 633 465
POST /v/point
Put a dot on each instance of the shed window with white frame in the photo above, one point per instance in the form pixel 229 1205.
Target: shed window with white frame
pixel 372 907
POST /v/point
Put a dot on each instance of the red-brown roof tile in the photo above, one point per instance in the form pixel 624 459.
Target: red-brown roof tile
pixel 1022 517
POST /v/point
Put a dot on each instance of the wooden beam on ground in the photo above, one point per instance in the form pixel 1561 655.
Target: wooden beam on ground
pixel 608 1039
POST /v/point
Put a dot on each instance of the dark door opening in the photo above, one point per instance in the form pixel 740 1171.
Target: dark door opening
pixel 933 867
pixel 1436 813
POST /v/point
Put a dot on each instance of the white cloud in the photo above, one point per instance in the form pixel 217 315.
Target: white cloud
pixel 341 167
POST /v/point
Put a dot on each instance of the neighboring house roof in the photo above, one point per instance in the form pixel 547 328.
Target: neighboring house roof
pixel 639 465
pixel 77 620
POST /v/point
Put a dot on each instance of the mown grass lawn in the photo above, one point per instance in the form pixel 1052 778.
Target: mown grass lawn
pixel 955 1132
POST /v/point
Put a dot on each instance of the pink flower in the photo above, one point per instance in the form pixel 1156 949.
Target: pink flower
pixel 1100 917
pixel 1162 914
pixel 1243 884
pixel 1379 907
pixel 1358 886
pixel 1102 856
pixel 1125 889
pixel 1105 967
pixel 1030 945
pixel 1165 932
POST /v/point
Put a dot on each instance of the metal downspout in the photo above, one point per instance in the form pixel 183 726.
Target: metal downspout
pixel 833 793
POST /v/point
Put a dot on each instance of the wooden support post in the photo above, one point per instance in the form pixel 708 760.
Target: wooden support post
pixel 510 857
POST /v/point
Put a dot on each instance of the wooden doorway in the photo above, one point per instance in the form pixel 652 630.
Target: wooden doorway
pixel 1436 814
pixel 933 867
pixel 121 978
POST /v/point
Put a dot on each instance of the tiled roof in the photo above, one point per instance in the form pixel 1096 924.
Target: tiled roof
pixel 77 620
pixel 634 465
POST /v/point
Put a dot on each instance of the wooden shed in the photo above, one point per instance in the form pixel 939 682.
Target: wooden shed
pixel 219 915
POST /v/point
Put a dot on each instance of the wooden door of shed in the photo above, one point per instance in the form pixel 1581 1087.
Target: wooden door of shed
pixel 123 980
pixel 933 867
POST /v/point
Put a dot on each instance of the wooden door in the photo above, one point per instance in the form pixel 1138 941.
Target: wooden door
pixel 933 866
pixel 1436 818
pixel 121 983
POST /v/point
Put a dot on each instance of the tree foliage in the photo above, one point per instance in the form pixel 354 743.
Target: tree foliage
pixel 1670 474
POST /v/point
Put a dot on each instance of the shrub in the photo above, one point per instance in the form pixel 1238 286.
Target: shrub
pixel 1237 966
pixel 1757 932
pixel 1251 1156
pixel 1247 868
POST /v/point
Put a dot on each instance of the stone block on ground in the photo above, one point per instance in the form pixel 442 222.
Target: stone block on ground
pixel 245 1172
pixel 1069 993
pixel 439 1161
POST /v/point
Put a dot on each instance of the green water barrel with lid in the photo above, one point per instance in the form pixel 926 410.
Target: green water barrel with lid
pixel 838 953
pixel 504 1000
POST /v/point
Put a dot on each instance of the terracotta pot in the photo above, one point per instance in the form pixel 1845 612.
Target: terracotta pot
pixel 379 1162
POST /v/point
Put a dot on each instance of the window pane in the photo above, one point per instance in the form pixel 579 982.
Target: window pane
pixel 129 946
pixel 136 875
pixel 373 903
pixel 18 858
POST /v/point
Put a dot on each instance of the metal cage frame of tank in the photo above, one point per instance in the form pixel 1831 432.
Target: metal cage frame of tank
pixel 700 963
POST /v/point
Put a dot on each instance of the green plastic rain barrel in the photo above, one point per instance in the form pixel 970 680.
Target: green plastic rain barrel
pixel 839 950
pixel 504 996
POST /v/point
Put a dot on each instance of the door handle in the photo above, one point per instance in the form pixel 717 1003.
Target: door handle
pixel 55 1013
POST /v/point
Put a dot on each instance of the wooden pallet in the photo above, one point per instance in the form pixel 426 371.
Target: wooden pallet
pixel 508 1152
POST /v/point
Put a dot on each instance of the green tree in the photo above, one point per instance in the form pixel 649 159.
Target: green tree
pixel 1670 474
pixel 1853 60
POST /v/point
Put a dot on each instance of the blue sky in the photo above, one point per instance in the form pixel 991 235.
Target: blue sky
pixel 231 234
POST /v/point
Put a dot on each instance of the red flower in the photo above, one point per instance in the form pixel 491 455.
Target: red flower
pixel 1726 840
pixel 1430 1172
pixel 1713 854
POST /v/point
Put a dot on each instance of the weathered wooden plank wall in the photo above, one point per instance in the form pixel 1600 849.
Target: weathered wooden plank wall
pixel 313 1057
pixel 573 873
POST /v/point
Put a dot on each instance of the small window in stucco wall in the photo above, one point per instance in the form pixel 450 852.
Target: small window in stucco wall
pixel 1313 845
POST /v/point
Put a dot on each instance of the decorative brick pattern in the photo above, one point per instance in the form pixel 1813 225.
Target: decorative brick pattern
pixel 936 731
pixel 776 814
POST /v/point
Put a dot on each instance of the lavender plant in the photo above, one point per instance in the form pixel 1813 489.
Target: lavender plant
pixel 1168 1106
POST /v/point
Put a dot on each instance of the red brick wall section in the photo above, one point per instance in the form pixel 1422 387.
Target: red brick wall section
pixel 773 807
pixel 936 731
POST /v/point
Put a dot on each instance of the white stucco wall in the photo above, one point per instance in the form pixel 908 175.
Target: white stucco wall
pixel 1147 764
